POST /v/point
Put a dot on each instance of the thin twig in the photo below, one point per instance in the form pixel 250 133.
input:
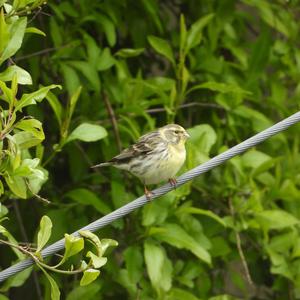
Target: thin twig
pixel 39 11
pixel 25 238
pixel 113 119
pixel 44 51
pixel 83 153
pixel 38 261
pixel 186 105
pixel 239 247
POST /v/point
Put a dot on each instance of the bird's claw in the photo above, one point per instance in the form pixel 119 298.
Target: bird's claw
pixel 148 194
pixel 173 182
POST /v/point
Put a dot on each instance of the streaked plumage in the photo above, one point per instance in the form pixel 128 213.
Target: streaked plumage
pixel 157 156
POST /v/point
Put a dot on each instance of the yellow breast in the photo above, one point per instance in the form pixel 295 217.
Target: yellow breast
pixel 165 169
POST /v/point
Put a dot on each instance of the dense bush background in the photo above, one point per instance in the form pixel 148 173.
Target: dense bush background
pixel 225 70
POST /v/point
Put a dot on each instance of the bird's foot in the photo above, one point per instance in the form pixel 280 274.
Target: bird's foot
pixel 173 182
pixel 148 193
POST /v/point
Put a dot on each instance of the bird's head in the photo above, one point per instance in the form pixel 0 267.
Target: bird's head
pixel 174 134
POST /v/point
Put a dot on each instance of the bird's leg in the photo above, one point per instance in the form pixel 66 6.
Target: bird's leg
pixel 173 182
pixel 148 193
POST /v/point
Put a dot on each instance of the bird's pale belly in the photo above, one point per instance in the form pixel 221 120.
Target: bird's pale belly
pixel 164 169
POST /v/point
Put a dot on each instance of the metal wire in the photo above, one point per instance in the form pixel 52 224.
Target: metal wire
pixel 126 209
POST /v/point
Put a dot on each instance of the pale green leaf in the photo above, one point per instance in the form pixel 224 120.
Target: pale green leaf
pixel 23 77
pixel 176 236
pixel 88 133
pixel 194 35
pixel 35 30
pixel 44 233
pixel 17 185
pixel 89 276
pixel 126 52
pixel 199 211
pixel 275 219
pixel 134 262
pixel 180 294
pixel 73 245
pixel 97 261
pixel 32 98
pixel 55 293
pixel 105 60
pixel 162 47
pixel 33 126
pixel 17 30
pixel 158 266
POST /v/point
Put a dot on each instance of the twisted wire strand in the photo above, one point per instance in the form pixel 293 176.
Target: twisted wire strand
pixel 126 209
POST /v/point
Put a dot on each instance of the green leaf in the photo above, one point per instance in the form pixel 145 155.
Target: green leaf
pixel 89 276
pixel 31 125
pixel 194 35
pixel 89 71
pixel 17 30
pixel 105 60
pixel 159 267
pixel 126 52
pixel 71 78
pixel 179 294
pixel 174 235
pixel 93 238
pixel 4 32
pixel 255 159
pixel 88 133
pixel 1 193
pixel 73 245
pixel 17 185
pixel 7 93
pixel 203 137
pixel 23 76
pixel 56 106
pixel 44 233
pixel 108 27
pixel 134 262
pixel 105 243
pixel 162 47
pixel 25 139
pixel 220 87
pixel 35 30
pixel 259 57
pixel 87 197
pixel 73 101
pixel 275 219
pixel 199 211
pixel 32 98
pixel 2 297
pixel 183 35
pixel 3 211
pixel 97 261
pixel 84 292
pixel 93 50
pixel 55 293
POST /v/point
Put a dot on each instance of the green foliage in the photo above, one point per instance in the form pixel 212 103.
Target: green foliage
pixel 110 71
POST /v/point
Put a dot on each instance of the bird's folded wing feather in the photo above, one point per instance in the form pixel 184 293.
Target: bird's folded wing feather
pixel 144 145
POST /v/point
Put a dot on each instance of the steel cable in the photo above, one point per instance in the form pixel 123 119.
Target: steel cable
pixel 126 209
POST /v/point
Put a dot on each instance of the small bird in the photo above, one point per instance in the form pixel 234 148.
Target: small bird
pixel 157 156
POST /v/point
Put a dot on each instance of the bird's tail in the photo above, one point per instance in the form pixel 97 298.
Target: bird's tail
pixel 105 164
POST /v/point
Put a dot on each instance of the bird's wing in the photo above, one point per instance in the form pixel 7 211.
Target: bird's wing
pixel 144 145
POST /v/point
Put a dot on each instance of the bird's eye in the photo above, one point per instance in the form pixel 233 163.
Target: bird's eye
pixel 177 131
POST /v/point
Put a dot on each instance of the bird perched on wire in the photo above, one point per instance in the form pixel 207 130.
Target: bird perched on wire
pixel 157 156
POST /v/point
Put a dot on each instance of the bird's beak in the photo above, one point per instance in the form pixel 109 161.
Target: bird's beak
pixel 186 135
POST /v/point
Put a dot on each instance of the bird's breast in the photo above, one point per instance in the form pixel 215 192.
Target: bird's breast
pixel 165 167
